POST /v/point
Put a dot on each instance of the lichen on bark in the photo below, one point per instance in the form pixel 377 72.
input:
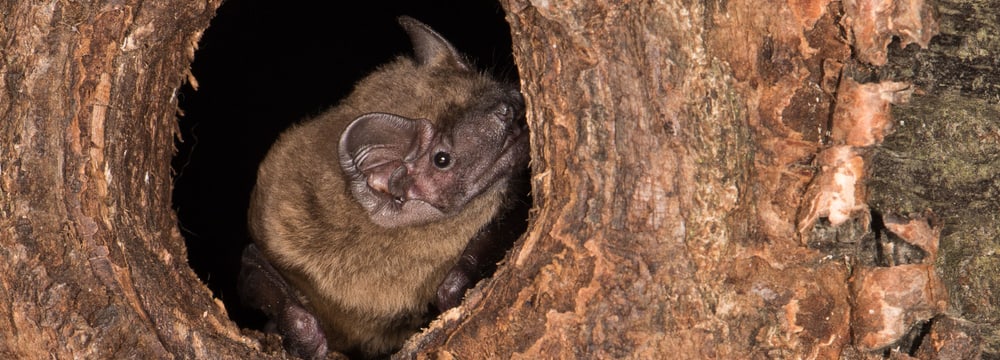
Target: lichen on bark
pixel 945 156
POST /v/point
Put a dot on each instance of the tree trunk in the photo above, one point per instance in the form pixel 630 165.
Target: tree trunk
pixel 700 178
pixel 701 172
pixel 92 263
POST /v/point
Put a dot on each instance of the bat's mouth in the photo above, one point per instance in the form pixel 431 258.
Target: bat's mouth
pixel 515 123
pixel 516 144
pixel 516 135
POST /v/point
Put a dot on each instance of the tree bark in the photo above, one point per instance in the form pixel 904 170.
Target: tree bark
pixel 93 265
pixel 945 155
pixel 690 162
pixel 687 159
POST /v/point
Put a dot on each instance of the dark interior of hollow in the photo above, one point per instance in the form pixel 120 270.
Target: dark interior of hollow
pixel 264 65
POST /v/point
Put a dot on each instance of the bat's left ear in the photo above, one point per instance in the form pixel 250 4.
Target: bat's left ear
pixel 430 48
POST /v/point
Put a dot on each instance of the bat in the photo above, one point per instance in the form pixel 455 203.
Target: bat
pixel 369 218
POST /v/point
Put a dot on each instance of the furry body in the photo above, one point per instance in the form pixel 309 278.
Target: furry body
pixel 365 244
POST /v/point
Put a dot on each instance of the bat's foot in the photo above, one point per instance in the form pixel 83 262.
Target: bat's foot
pixel 460 278
pixel 262 288
pixel 302 333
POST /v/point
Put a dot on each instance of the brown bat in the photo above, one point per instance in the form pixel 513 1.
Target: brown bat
pixel 360 214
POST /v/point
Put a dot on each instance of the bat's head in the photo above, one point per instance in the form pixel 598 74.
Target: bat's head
pixel 433 135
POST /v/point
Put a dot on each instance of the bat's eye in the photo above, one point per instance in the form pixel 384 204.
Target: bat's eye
pixel 503 111
pixel 442 160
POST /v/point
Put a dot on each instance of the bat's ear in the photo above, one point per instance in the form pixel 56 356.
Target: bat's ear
pixel 431 48
pixel 375 150
pixel 375 146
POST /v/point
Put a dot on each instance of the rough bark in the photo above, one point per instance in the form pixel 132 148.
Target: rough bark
pixel 701 175
pixel 945 156
pixel 683 157
pixel 92 263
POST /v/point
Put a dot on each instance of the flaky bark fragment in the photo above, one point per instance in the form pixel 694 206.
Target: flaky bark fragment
pixel 838 188
pixel 919 232
pixel 861 117
pixel 889 300
pixel 873 23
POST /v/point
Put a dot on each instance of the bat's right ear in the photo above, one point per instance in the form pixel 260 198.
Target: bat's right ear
pixel 430 47
pixel 374 145
pixel 375 150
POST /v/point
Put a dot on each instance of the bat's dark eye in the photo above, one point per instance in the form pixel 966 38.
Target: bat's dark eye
pixel 502 111
pixel 442 160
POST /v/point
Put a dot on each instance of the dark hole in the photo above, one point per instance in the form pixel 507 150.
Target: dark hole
pixel 878 228
pixel 916 336
pixel 262 66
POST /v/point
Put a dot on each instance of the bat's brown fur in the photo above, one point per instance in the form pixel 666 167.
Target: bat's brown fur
pixel 370 286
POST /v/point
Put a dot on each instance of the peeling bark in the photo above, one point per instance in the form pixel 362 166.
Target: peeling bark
pixel 675 147
pixel 93 266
